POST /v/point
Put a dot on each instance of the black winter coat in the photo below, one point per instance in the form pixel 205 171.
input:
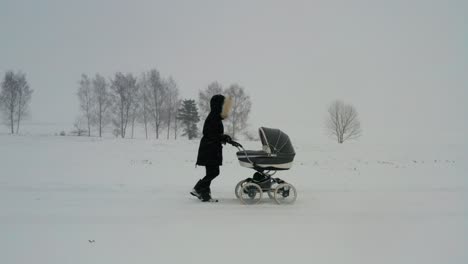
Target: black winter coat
pixel 210 152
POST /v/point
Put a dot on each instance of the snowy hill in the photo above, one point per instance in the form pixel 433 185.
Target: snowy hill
pixel 90 200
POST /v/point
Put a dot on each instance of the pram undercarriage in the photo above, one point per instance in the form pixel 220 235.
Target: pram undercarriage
pixel 250 190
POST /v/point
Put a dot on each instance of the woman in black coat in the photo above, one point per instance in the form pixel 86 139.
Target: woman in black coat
pixel 210 152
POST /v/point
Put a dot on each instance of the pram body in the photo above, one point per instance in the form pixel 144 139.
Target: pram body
pixel 277 154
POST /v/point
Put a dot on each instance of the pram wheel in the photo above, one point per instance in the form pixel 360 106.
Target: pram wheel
pixel 285 193
pixel 238 188
pixel 250 193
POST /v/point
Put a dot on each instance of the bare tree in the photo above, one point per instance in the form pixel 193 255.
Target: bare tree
pixel 24 97
pixel 78 127
pixel 343 122
pixel 158 96
pixel 123 93
pixel 172 104
pixel 250 135
pixel 136 106
pixel 144 100
pixel 241 104
pixel 85 97
pixel 177 121
pixel 8 98
pixel 204 97
pixel 102 102
pixel 14 98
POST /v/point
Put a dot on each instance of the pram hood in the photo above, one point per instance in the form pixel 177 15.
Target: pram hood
pixel 275 141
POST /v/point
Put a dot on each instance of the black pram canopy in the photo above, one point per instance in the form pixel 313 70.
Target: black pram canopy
pixel 275 141
pixel 277 153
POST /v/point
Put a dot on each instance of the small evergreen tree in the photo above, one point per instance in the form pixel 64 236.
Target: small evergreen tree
pixel 188 115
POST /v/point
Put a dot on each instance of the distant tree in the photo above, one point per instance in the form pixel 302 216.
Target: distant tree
pixel 204 96
pixel 188 114
pixel 342 121
pixel 86 99
pixel 171 104
pixel 241 104
pixel 78 128
pixel 158 95
pixel 136 107
pixel 102 102
pixel 15 96
pixel 24 98
pixel 144 100
pixel 177 121
pixel 123 94
pixel 8 99
pixel 249 135
pixel 192 133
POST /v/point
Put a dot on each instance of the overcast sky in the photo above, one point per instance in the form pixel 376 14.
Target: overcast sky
pixel 403 64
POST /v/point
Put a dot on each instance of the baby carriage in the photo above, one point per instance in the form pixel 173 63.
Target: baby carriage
pixel 277 154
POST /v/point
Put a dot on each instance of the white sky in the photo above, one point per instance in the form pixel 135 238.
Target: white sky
pixel 403 64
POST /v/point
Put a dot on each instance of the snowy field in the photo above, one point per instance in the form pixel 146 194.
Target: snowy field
pixel 89 200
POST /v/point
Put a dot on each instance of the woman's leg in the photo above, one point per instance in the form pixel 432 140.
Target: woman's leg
pixel 204 184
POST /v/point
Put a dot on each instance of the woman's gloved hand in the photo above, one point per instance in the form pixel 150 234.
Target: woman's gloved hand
pixel 226 139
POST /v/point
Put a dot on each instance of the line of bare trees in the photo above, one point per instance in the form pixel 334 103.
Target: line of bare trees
pixel 15 96
pixel 124 101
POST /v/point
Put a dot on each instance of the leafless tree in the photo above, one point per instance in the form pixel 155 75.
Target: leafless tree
pixel 144 100
pixel 158 95
pixel 241 104
pixel 342 122
pixel 78 127
pixel 204 97
pixel 8 99
pixel 24 97
pixel 123 89
pixel 14 98
pixel 86 99
pixel 172 104
pixel 176 114
pixel 135 108
pixel 250 135
pixel 102 102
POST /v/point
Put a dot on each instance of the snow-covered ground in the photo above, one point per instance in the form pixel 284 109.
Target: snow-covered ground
pixel 356 204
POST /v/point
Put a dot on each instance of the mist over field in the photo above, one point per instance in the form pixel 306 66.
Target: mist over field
pixel 402 64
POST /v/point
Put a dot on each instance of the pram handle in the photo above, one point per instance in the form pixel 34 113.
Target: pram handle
pixel 236 144
pixel 241 148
